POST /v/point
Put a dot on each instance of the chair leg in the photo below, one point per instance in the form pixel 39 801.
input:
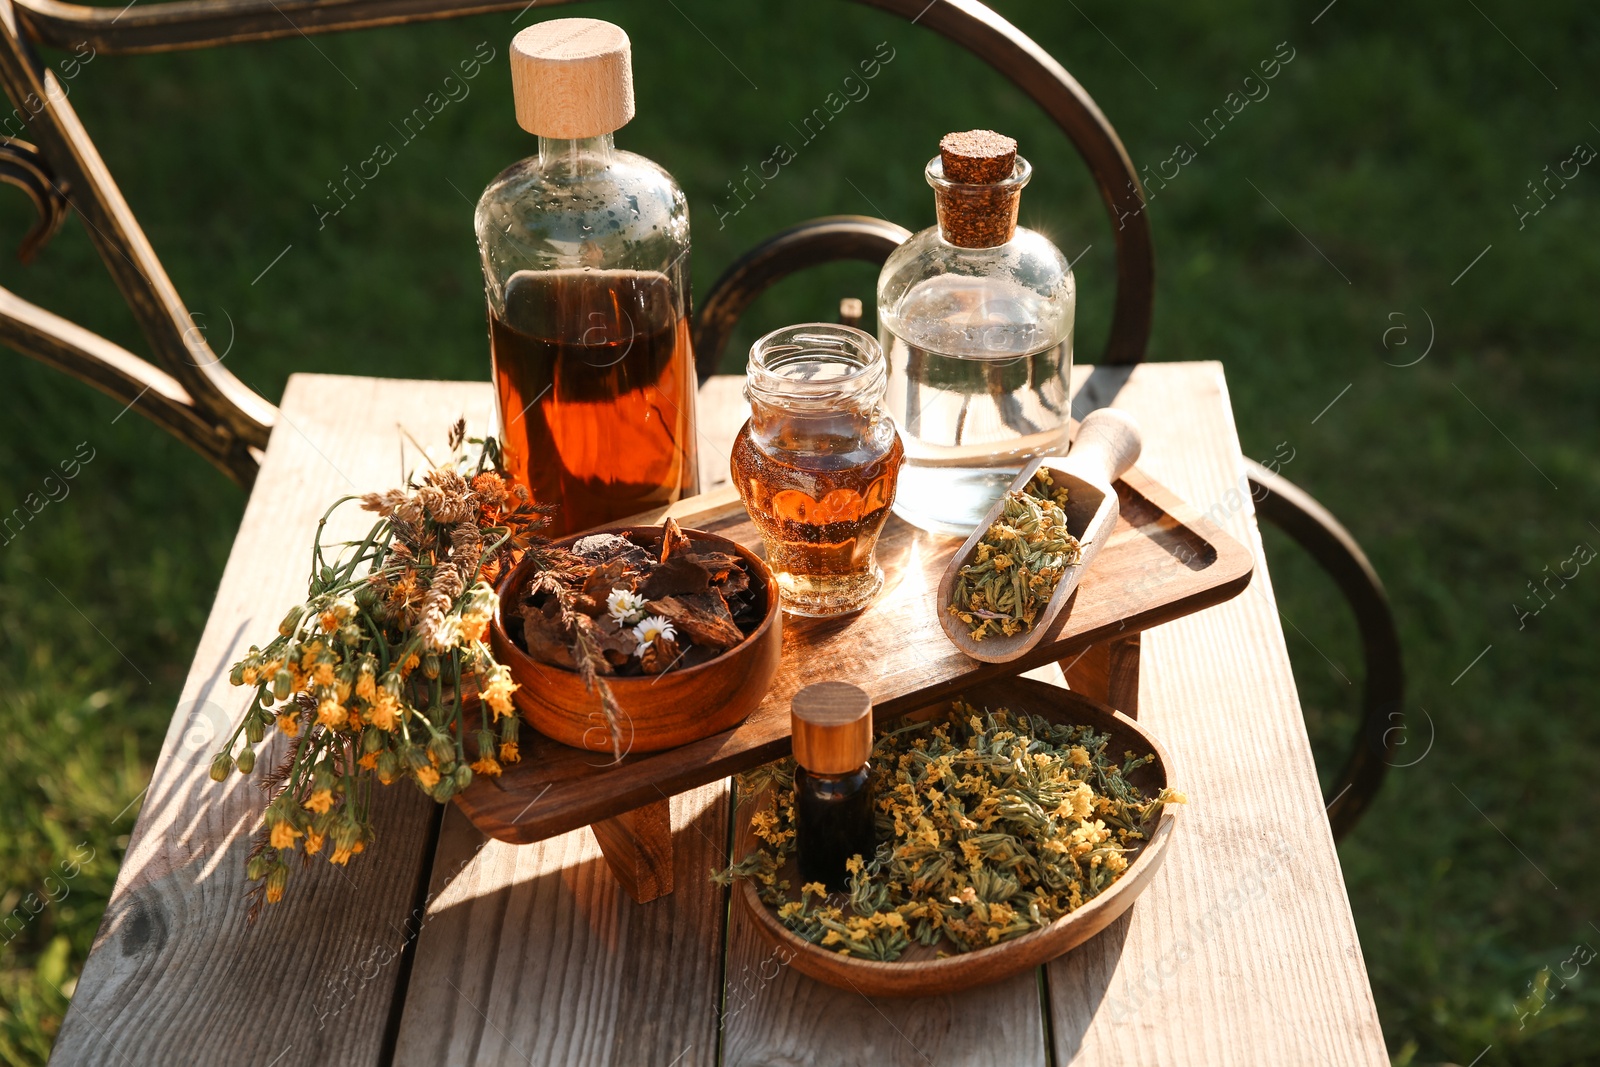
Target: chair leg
pixel 1294 511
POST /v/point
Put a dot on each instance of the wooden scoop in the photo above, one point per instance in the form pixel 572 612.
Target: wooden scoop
pixel 1107 444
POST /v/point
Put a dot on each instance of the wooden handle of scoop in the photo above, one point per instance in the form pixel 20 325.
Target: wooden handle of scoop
pixel 1108 443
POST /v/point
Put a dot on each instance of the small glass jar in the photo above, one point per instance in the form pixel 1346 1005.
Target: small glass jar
pixel 817 463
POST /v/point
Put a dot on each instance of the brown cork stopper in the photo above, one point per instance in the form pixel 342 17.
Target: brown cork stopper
pixel 984 214
pixel 832 727
pixel 977 157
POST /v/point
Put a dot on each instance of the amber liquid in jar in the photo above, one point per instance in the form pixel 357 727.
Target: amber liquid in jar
pixel 595 381
pixel 820 500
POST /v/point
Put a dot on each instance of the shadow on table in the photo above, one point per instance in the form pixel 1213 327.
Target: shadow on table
pixel 1100 389
pixel 1075 986
pixel 535 954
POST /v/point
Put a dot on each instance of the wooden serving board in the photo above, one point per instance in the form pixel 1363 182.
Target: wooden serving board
pixel 1163 561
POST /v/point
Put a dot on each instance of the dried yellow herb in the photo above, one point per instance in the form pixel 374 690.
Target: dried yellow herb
pixel 1018 562
pixel 990 824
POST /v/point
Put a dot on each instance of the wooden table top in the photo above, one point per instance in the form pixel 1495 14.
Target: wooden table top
pixel 438 945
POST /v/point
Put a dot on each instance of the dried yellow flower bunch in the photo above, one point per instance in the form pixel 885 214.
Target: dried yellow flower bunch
pixel 1019 562
pixel 990 824
pixel 368 678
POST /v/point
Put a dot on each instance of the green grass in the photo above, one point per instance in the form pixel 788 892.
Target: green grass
pixel 1396 140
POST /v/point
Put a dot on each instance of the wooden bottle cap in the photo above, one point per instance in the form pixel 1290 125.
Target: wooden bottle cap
pixel 977 157
pixel 978 188
pixel 832 726
pixel 572 78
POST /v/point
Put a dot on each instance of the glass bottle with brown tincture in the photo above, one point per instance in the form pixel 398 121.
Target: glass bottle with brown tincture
pixel 832 726
pixel 585 254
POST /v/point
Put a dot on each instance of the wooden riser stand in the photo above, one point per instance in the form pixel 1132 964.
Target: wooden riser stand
pixel 1163 561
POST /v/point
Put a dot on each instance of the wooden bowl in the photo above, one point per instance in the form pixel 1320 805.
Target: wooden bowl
pixel 660 711
pixel 919 972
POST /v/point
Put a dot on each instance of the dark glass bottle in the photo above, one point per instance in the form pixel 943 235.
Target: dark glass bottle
pixel 833 816
pixel 832 726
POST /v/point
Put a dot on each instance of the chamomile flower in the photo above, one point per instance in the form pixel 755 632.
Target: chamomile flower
pixel 653 627
pixel 627 608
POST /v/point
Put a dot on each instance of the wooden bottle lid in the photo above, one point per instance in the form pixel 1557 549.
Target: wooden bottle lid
pixel 572 78
pixel 832 726
pixel 977 157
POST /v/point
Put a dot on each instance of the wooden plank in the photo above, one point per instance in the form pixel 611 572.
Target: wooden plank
pixel 720 410
pixel 175 975
pixel 773 1014
pixel 1244 951
pixel 776 1015
pixel 534 954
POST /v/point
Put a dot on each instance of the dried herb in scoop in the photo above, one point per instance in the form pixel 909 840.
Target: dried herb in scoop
pixel 1018 563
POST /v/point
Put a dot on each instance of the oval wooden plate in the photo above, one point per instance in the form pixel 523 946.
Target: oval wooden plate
pixel 920 972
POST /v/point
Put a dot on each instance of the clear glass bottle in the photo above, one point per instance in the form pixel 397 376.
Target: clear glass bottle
pixel 817 463
pixel 976 317
pixel 585 253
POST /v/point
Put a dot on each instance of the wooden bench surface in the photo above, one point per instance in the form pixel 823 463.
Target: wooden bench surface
pixel 438 945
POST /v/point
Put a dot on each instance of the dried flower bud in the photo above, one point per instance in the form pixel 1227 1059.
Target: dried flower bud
pixel 346 834
pixel 372 740
pixel 282 683
pixel 247 760
pixel 388 767
pixel 430 665
pixel 350 634
pixel 236 676
pixel 258 866
pixel 254 729
pixel 276 880
pixel 221 766
pixel 291 621
pixel 463 776
pixel 442 750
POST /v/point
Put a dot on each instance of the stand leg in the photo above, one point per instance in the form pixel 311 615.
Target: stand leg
pixel 1108 672
pixel 638 848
